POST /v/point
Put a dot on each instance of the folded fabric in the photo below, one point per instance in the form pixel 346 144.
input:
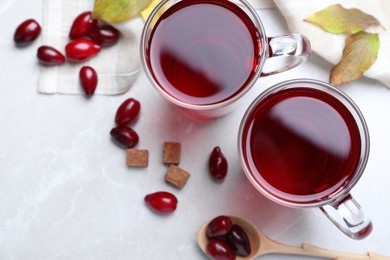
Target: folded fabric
pixel 117 66
pixel 330 46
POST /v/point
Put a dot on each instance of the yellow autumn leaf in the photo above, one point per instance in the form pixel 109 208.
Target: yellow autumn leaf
pixel 337 19
pixel 360 52
pixel 148 10
pixel 115 11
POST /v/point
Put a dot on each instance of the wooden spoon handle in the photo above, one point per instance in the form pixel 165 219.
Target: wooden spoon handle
pixel 371 256
pixel 310 250
pixel 321 252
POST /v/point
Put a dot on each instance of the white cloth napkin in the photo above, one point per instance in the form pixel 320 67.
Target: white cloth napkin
pixel 330 46
pixel 118 66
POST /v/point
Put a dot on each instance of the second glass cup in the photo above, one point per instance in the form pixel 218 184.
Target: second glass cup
pixel 304 143
pixel 204 55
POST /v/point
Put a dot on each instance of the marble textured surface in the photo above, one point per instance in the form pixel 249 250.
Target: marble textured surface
pixel 66 193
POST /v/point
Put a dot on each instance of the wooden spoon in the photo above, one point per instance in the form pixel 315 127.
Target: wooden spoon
pixel 261 245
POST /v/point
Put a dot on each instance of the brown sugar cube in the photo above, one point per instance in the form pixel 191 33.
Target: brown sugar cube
pixel 176 176
pixel 171 153
pixel 137 158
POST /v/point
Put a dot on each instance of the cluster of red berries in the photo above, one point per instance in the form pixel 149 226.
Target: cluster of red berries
pixel 226 240
pixel 87 37
pixel 126 113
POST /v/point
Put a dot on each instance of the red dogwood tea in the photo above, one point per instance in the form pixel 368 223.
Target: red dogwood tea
pixel 303 144
pixel 202 52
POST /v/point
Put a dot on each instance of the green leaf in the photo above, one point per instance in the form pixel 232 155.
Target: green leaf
pixel 360 52
pixel 336 19
pixel 115 11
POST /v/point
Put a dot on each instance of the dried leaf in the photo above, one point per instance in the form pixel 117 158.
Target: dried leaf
pixel 360 52
pixel 119 10
pixel 336 19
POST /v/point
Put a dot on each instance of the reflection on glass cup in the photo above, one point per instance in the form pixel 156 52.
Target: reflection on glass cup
pixel 304 143
pixel 204 55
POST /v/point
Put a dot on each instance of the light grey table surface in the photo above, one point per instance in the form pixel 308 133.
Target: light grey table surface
pixel 66 193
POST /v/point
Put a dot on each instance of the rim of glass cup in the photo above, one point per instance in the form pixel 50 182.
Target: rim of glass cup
pixel 360 121
pixel 264 53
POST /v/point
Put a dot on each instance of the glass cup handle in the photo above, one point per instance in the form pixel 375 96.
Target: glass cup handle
pixel 349 217
pixel 294 49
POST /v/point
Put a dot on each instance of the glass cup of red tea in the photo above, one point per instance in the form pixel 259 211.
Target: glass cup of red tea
pixel 304 143
pixel 204 55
